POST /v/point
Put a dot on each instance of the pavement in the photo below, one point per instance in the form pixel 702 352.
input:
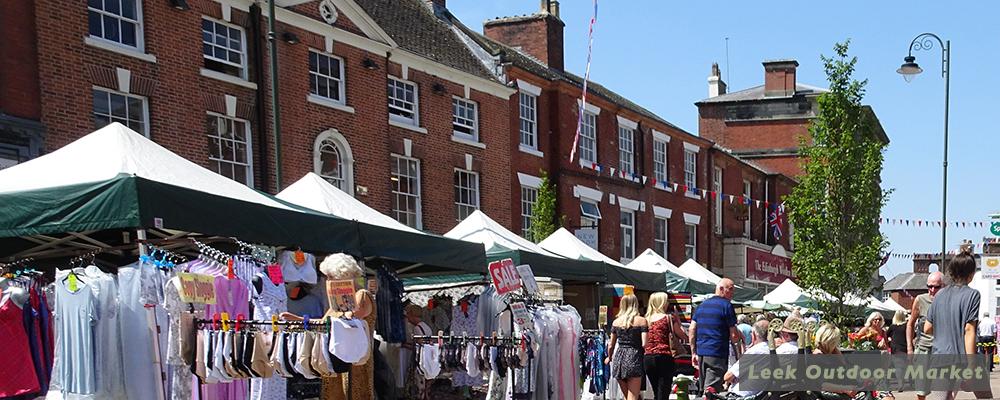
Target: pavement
pixel 994 382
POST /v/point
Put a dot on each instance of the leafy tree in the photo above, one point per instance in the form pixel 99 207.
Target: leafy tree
pixel 543 213
pixel 837 203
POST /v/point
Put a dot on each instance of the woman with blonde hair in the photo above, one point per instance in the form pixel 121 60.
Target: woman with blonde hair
pixel 827 339
pixel 658 359
pixel 625 353
pixel 897 333
pixel 874 328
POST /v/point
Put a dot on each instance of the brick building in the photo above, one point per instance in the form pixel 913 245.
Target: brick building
pixel 193 75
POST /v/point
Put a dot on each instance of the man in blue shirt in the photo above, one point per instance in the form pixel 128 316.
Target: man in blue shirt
pixel 713 328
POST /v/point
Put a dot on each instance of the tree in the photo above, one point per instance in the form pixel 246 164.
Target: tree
pixel 837 203
pixel 543 213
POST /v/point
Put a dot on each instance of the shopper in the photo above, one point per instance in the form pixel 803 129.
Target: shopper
pixel 873 328
pixel 625 352
pixel 758 333
pixel 987 338
pixel 713 328
pixel 917 341
pixel 954 314
pixel 743 325
pixel 665 333
pixel 897 333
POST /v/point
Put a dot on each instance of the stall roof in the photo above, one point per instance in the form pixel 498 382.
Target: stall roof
pixel 480 228
pixel 789 293
pixel 382 236
pixel 565 244
pixel 693 270
pixel 649 261
pixel 115 178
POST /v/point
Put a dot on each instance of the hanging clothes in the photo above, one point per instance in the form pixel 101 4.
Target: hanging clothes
pixel 389 302
pixel 232 297
pixel 17 379
pixel 76 314
pixel 107 345
pixel 464 321
pixel 180 371
pixel 139 339
pixel 298 266
pixel 272 300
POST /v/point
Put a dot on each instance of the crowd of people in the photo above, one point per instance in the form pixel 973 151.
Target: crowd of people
pixel 946 320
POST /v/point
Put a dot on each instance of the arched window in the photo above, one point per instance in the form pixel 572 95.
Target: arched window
pixel 333 160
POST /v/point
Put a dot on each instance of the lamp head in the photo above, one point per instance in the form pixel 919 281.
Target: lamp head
pixel 909 69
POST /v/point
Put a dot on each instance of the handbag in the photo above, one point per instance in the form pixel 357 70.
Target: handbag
pixel 677 345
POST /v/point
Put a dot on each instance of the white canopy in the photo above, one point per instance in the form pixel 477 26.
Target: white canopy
pixel 892 305
pixel 650 261
pixel 565 244
pixel 787 293
pixel 692 270
pixel 114 150
pixel 480 228
pixel 312 191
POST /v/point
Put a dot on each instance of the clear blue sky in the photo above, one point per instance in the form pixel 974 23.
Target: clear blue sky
pixel 658 53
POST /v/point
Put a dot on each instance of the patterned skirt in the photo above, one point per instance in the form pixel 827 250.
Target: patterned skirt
pixel 627 363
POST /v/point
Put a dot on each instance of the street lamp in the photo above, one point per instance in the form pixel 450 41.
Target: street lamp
pixel 909 70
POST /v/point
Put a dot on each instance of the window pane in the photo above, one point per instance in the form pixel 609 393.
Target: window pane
pixel 128 33
pixel 112 6
pixel 111 28
pixel 94 23
pixel 128 9
pixel 118 106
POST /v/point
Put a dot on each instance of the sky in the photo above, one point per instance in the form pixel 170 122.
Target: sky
pixel 659 54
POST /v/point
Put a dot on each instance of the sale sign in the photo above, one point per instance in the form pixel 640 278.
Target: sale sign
pixel 521 316
pixel 528 278
pixel 196 288
pixel 342 293
pixel 505 276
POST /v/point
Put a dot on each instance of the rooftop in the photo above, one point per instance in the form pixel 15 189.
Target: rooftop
pixel 907 281
pixel 756 93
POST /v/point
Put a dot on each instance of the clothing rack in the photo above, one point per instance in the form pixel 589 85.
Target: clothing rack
pixel 464 338
pixel 212 253
pixel 259 323
pixel 260 253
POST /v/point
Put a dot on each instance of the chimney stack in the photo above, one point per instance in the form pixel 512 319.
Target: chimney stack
pixel 539 35
pixel 716 86
pixel 779 78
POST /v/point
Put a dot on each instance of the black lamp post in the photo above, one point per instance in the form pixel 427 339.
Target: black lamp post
pixel 909 70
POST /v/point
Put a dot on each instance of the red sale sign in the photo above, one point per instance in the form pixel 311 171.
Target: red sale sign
pixel 505 276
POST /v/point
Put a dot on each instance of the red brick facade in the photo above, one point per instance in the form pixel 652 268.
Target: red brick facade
pixel 178 96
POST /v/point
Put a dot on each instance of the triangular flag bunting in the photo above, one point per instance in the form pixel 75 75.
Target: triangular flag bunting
pixel 758 203
pixel 684 188
pixel 612 171
pixel 644 178
pixel 675 187
pixel 731 198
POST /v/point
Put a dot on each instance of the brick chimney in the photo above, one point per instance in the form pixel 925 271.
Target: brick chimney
pixel 540 35
pixel 779 78
pixel 716 86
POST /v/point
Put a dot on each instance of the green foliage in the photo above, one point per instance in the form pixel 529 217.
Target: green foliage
pixel 543 214
pixel 837 203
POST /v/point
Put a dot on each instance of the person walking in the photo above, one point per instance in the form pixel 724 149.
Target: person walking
pixel 954 315
pixel 625 352
pixel 987 338
pixel 713 329
pixel 917 341
pixel 658 361
pixel 897 333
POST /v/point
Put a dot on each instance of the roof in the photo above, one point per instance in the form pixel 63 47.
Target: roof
pixel 416 28
pixel 565 244
pixel 907 281
pixel 314 192
pixel 756 93
pixel 524 61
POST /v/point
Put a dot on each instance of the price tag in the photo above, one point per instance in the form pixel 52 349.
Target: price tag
pixel 602 316
pixel 274 272
pixel 521 316
pixel 197 288
pixel 225 321
pixel 528 278
pixel 72 282
pixel 342 293
pixel 504 275
pixel 229 270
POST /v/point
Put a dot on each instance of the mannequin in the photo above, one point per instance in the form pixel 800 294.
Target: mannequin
pixel 343 267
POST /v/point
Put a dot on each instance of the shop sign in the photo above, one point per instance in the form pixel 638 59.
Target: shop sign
pixel 991 267
pixel 197 288
pixel 504 275
pixel 766 267
pixel 995 228
pixel 587 236
pixel 521 316
pixel 528 278
pixel 342 293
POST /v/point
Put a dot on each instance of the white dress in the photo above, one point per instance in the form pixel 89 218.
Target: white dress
pixel 181 376
pixel 271 301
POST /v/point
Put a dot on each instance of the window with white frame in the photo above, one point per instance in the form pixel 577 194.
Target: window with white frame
pixel 717 188
pixel 660 236
pixel 529 196
pixel 326 76
pixel 627 234
pixel 660 160
pixel 746 195
pixel 626 151
pixel 229 148
pixel 588 138
pixel 690 170
pixel 465 118
pixel 691 241
pixel 590 216
pixel 403 101
pixel 406 191
pixel 129 110
pixel 529 120
pixel 224 47
pixel 117 21
pixel 466 193
pixel 333 161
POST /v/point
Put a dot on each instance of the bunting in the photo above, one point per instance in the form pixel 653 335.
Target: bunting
pixel 932 224
pixel 586 80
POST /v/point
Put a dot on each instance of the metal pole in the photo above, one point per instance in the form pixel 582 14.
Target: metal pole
pixel 276 117
pixel 944 188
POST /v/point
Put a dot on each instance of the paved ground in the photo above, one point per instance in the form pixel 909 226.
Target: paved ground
pixel 994 382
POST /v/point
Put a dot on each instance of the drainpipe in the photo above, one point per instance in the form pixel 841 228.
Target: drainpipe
pixel 276 119
pixel 258 65
pixel 767 197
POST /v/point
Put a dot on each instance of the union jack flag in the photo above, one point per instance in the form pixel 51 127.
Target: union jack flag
pixel 777 219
